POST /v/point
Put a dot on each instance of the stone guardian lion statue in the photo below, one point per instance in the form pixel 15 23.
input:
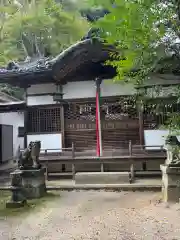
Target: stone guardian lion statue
pixel 172 146
pixel 29 158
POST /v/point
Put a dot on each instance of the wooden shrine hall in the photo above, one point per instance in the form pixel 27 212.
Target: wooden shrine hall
pixel 60 98
pixel 59 106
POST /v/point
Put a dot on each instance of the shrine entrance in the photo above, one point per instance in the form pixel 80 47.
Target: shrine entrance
pixel 119 124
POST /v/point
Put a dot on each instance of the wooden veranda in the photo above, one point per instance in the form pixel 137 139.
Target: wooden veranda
pixel 131 157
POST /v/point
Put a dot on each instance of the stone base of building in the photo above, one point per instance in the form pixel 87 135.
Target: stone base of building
pixel 170 183
pixel 102 177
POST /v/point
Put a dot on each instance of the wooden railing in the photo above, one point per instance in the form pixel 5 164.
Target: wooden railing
pixel 58 151
pixel 131 155
pixel 131 150
pixel 136 153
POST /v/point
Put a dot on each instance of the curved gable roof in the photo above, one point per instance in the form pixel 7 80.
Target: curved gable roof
pixel 86 57
pixel 81 61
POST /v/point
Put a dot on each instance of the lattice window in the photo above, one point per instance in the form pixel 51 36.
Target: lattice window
pixel 42 120
pixel 120 109
pixel 110 110
pixel 79 111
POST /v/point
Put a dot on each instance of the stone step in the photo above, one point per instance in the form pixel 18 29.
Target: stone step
pixel 138 173
pixel 102 177
pixel 60 174
pixel 106 187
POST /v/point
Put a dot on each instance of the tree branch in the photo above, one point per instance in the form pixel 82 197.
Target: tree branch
pixel 37 47
pixel 24 47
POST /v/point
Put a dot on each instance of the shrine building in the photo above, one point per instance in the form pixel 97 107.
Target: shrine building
pixel 59 105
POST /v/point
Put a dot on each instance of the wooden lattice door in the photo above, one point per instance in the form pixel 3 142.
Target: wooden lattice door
pixel 80 125
pixel 119 124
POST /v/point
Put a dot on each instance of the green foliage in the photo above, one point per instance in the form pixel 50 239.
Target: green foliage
pixel 35 28
pixel 12 91
pixel 72 5
pixel 173 124
pixel 137 28
pixel 144 33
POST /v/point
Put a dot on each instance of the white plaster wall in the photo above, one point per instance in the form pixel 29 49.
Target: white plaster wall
pixel 156 138
pixel 16 120
pixel 85 89
pixel 108 88
pixel 53 142
pixel 40 100
pixel 41 88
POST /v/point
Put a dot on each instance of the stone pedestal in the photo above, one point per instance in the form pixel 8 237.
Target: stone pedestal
pixel 18 198
pixel 33 182
pixel 170 183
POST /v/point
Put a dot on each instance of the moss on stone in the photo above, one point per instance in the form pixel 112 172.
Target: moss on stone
pixel 32 205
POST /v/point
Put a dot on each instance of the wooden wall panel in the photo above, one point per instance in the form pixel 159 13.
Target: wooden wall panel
pixel 119 125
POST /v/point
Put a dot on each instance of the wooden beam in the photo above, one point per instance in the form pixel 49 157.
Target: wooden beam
pixel 112 160
pixel 25 119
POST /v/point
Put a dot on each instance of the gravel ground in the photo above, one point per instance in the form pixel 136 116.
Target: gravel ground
pixel 98 215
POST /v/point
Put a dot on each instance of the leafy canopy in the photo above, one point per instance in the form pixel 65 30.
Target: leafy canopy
pixel 37 28
pixel 139 30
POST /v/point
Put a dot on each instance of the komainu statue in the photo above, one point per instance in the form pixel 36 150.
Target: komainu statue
pixel 172 146
pixel 35 151
pixel 29 158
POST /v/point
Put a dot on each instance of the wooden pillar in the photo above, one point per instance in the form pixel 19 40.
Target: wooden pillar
pixel 98 82
pixel 141 130
pixel 62 126
pixel 59 99
pixel 141 123
pixel 25 118
pixel 63 167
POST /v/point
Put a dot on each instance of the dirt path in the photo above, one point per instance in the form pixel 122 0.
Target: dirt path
pixel 98 215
